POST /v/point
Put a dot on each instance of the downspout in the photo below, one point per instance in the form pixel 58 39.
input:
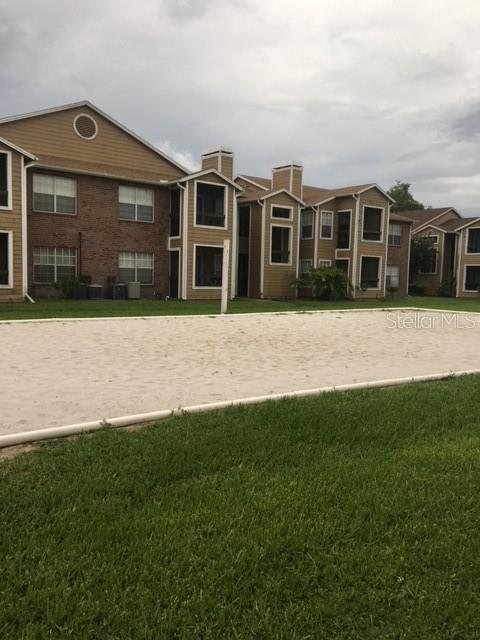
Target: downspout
pixel 356 197
pixel 316 231
pixel 408 259
pixel 262 249
pixel 234 256
pixel 25 231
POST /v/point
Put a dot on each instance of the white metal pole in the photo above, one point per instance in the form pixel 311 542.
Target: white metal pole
pixel 225 270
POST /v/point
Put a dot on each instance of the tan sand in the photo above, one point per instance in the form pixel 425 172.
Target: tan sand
pixel 65 372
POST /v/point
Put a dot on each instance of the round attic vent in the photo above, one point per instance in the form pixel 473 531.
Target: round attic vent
pixel 85 126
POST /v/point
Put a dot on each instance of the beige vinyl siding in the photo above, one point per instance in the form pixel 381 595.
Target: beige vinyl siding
pixel 11 220
pixel 52 138
pixel 373 198
pixel 207 236
pixel 277 278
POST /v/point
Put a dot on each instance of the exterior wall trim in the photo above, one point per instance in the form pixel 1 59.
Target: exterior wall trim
pixel 9 206
pixel 10 259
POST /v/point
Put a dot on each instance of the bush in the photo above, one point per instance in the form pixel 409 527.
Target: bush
pixel 67 286
pixel 416 290
pixel 327 283
pixel 448 287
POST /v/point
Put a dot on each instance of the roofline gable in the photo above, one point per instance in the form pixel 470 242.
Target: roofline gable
pixel 199 174
pixel 251 182
pixel 430 220
pixel 27 154
pixel 90 105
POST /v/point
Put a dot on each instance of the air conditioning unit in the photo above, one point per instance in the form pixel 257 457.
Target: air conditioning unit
pixel 133 290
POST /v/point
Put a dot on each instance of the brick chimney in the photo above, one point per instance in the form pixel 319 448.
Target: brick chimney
pixel 220 159
pixel 290 177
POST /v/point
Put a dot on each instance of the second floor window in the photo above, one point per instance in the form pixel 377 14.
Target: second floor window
pixel 394 234
pixel 343 233
pixel 135 203
pixel 54 194
pixel 473 244
pixel 326 225
pixel 4 180
pixel 210 205
pixel 175 200
pixel 372 223
pixel 306 225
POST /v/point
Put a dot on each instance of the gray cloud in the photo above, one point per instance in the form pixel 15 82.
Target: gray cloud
pixel 357 93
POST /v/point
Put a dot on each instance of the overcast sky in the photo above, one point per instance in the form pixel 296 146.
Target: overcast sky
pixel 369 91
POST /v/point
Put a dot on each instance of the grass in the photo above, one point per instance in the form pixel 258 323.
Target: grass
pixel 111 308
pixel 347 516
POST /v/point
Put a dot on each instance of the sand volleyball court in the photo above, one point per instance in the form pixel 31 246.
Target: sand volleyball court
pixel 64 372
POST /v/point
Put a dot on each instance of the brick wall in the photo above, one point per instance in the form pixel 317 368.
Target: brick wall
pixel 103 235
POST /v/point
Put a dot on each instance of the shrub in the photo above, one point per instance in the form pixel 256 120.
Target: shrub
pixel 448 287
pixel 416 290
pixel 67 286
pixel 327 283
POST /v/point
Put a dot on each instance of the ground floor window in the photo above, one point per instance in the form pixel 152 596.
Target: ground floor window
pixel 472 278
pixel 342 264
pixel 370 273
pixel 280 245
pixel 5 259
pixel 325 263
pixel 305 266
pixel 393 276
pixel 135 266
pixel 208 266
pixel 53 264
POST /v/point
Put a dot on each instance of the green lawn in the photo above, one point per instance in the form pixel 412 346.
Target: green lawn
pixel 111 308
pixel 347 516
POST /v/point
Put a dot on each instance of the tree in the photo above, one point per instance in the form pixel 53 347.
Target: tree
pixel 404 200
pixel 423 256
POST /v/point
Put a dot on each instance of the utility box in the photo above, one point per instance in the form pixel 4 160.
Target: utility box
pixel 133 290
pixel 95 292
pixel 119 291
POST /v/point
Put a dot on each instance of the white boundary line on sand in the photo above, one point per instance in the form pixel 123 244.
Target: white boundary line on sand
pixel 241 314
pixel 124 421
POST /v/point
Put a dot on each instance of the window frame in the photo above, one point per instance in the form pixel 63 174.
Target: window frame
pixel 465 290
pixel 382 223
pixel 225 205
pixel 281 206
pixel 392 266
pixel 321 236
pixel 324 266
pixel 9 205
pixel 55 212
pixel 340 259
pixel 312 225
pixel 309 260
pixel 244 206
pixel 379 272
pixel 180 218
pixel 194 266
pixel 391 235
pixel 55 265
pixel 142 284
pixel 471 253
pixel 290 245
pixel 349 230
pixel 137 188
pixel 9 235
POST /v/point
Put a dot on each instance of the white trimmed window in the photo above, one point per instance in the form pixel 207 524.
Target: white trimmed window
pixel 54 194
pixel 208 266
pixel 135 266
pixel 370 273
pixel 282 212
pixel 211 205
pixel 53 264
pixel 326 225
pixel 324 263
pixel 472 278
pixel 306 225
pixel 372 224
pixel 5 180
pixel 135 203
pixel 280 249
pixel 473 240
pixel 393 276
pixel 305 266
pixel 6 260
pixel 394 234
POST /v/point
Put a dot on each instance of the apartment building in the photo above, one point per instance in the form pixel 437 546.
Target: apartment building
pixel 457 250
